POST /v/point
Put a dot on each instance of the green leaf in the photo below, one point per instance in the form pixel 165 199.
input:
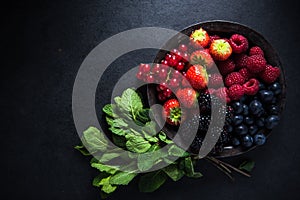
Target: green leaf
pixel 189 169
pixel 102 167
pixel 119 122
pixel 152 181
pixel 82 150
pixel 110 121
pixel 120 141
pixel 174 172
pixel 106 186
pixel 122 178
pixel 143 115
pixel 174 150
pixel 137 144
pixel 247 166
pixel 107 109
pixel 109 156
pixel 150 128
pixel 163 137
pixel 94 140
pixel 97 179
pixel 117 131
pixel 153 156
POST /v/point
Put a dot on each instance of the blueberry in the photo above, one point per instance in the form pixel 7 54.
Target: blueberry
pixel 262 86
pixel 241 129
pixel 252 129
pixel 228 128
pixel 247 141
pixel 260 122
pixel 259 139
pixel 273 109
pixel 255 107
pixel 238 119
pixel 271 121
pixel 276 88
pixel 248 120
pixel 243 99
pixel 274 100
pixel 266 95
pixel 237 107
pixel 235 142
pixel 245 110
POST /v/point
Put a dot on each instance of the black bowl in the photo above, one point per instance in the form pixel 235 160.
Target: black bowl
pixel 224 29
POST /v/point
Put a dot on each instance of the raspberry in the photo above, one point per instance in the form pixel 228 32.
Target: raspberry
pixel 251 87
pixel 235 92
pixel 238 43
pixel 245 73
pixel 215 80
pixel 270 74
pixel 256 51
pixel 256 63
pixel 234 78
pixel 241 60
pixel 226 67
pixel 221 93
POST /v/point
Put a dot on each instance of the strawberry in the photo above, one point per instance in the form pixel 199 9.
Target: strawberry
pixel 234 78
pixel 199 38
pixel 270 74
pixel 201 57
pixel 225 67
pixel 215 80
pixel 251 87
pixel 197 76
pixel 220 49
pixel 172 112
pixel 235 92
pixel 187 96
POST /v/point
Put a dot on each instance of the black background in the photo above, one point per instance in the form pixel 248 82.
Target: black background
pixel 45 43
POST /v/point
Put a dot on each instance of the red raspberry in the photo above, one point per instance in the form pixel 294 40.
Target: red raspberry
pixel 226 67
pixel 256 63
pixel 215 80
pixel 270 74
pixel 238 43
pixel 234 78
pixel 241 60
pixel 212 38
pixel 256 51
pixel 221 93
pixel 246 74
pixel 251 87
pixel 235 92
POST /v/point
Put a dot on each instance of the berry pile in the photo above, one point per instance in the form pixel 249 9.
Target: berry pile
pixel 211 68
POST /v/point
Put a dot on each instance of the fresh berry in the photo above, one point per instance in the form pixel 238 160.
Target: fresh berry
pixel 235 92
pixel 204 122
pixel 222 93
pixel 176 74
pixel 270 74
pixel 273 109
pixel 172 112
pixel 150 79
pixel 174 83
pixel 235 142
pixel 259 139
pixel 180 66
pixel 185 57
pixel 238 43
pixel 256 107
pixel 276 88
pixel 245 110
pixel 202 58
pixel 167 93
pixel 212 38
pixel 237 119
pixel 247 141
pixel 248 120
pixel 256 63
pixel 196 144
pixel 246 73
pixel 241 60
pixel 226 67
pixel 199 38
pixel 220 49
pixel 241 129
pixel 251 87
pixel 164 62
pixel 162 75
pixel 215 80
pixel 252 129
pixel 161 97
pixel 187 97
pixel 234 78
pixel 237 107
pixel 173 61
pixel 256 51
pixel 145 68
pixel 260 122
pixel 197 76
pixel 266 95
pixel 271 121
pixel 139 75
pixel 204 102
pixel 183 47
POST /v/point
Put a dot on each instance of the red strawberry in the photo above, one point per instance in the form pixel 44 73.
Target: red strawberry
pixel 220 49
pixel 172 112
pixel 256 51
pixel 215 80
pixel 187 96
pixel 234 78
pixel 235 92
pixel 201 57
pixel 238 43
pixel 270 74
pixel 197 77
pixel 256 63
pixel 226 67
pixel 246 74
pixel 212 38
pixel 251 87
pixel 241 60
pixel 199 38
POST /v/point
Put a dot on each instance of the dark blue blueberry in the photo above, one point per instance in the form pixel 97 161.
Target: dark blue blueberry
pixel 266 95
pixel 276 88
pixel 274 100
pixel 260 122
pixel 243 99
pixel 241 129
pixel 255 107
pixel 245 110
pixel 252 129
pixel 259 139
pixel 262 86
pixel 247 141
pixel 237 107
pixel 271 121
pixel 261 113
pixel 237 119
pixel 235 142
pixel 248 120
pixel 273 109
pixel 228 128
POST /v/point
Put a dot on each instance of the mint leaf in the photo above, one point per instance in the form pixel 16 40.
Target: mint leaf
pixel 110 121
pixel 150 128
pixel 102 167
pixel 189 169
pixel 119 122
pixel 108 156
pixel 174 172
pixel 118 131
pixel 106 186
pixel 247 166
pixel 120 141
pixel 163 137
pixel 94 140
pixel 143 115
pixel 174 150
pixel 82 150
pixel 137 144
pixel 153 156
pixel 97 179
pixel 152 181
pixel 121 178
pixel 109 110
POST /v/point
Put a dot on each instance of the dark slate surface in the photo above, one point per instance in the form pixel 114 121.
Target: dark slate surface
pixel 45 43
